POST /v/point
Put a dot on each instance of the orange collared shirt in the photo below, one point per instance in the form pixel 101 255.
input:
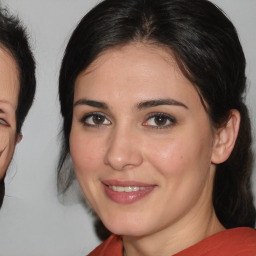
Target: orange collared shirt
pixel 231 242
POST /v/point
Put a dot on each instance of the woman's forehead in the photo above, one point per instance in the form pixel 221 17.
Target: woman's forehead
pixel 133 74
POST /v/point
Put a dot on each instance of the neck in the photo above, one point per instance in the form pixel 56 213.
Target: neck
pixel 173 239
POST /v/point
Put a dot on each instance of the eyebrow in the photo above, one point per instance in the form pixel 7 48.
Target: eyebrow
pixel 159 102
pixel 91 103
pixel 140 106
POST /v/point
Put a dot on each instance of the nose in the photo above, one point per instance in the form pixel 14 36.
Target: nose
pixel 124 151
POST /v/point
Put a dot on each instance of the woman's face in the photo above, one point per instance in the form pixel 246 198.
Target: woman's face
pixel 141 142
pixel 9 91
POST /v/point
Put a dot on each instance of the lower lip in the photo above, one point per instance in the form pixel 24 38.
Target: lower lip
pixel 127 197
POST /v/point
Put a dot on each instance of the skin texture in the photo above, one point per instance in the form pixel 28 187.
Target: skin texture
pixel 9 91
pixel 176 155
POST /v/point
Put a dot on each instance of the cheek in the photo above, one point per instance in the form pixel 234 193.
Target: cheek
pixel 169 157
pixel 86 153
pixel 180 155
pixel 7 146
pixel 3 140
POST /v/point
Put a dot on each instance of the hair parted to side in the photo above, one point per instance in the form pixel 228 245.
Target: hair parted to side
pixel 208 51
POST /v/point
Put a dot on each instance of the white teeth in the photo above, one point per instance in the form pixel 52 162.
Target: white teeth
pixel 126 189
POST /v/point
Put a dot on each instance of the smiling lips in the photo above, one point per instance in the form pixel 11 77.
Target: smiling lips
pixel 126 192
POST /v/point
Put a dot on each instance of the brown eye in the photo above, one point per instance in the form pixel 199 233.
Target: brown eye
pixel 98 119
pixel 160 120
pixel 95 119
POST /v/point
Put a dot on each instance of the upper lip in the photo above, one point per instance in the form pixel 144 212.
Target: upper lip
pixel 126 183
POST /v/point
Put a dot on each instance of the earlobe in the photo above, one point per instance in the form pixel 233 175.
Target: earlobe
pixel 225 138
pixel 19 137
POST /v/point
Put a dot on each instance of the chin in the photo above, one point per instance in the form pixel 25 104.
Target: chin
pixel 125 227
pixel 127 231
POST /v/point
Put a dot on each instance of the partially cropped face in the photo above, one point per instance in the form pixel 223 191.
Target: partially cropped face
pixel 9 91
pixel 141 141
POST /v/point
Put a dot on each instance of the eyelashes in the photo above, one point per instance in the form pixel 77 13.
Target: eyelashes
pixel 159 121
pixel 95 119
pixel 154 120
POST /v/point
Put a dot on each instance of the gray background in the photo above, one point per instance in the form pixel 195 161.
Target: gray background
pixel 33 221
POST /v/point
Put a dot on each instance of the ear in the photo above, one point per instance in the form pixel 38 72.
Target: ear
pixel 225 138
pixel 19 137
